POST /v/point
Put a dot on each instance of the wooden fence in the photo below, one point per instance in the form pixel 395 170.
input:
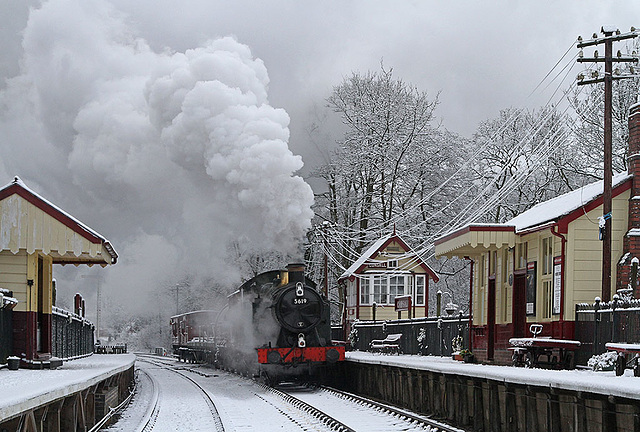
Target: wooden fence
pixel 425 336
pixel 602 322
pixel 71 335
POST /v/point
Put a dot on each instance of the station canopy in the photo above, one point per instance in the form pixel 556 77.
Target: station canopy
pixel 30 222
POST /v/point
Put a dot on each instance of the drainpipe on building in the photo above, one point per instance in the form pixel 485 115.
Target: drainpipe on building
pixel 470 303
pixel 562 278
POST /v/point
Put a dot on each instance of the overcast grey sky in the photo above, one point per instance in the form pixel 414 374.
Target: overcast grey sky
pixel 93 87
pixel 481 55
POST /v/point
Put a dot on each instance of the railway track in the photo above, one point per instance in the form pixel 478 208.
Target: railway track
pixel 150 419
pixel 304 408
pixel 411 418
pixel 330 422
pixel 151 415
pixel 299 413
pixel 362 414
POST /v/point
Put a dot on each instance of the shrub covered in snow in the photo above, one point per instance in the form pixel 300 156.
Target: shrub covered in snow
pixel 353 336
pixel 603 362
pixel 422 340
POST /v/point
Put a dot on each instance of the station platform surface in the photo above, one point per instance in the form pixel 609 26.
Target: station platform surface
pixel 25 389
pixel 586 380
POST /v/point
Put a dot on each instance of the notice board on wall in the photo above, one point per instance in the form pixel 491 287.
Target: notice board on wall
pixel 531 288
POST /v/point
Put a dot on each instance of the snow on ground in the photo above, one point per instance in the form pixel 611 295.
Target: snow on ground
pixel 25 389
pixel 606 383
pixel 133 415
pixel 182 406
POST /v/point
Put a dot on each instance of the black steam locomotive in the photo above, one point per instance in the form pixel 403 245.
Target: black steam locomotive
pixel 276 325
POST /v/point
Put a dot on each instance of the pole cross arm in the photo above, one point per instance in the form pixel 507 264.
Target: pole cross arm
pixel 602 60
pixel 599 80
pixel 613 38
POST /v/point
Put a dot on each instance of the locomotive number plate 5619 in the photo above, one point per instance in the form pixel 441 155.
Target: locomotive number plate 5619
pixel 299 301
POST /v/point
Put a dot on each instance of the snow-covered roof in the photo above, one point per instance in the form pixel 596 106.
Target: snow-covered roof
pixel 36 237
pixel 367 256
pixel 560 210
pixel 562 205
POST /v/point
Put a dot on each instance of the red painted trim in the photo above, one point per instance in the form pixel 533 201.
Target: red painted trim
pixel 423 265
pixel 564 221
pixel 24 334
pixel 357 298
pixel 537 228
pixel 300 355
pixel 475 228
pixel 563 276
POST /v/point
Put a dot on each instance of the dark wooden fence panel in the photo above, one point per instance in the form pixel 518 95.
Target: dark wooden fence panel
pixel 599 323
pixel 438 334
pixel 6 334
pixel 71 335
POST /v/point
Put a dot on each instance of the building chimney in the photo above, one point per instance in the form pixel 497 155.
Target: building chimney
pixel 631 241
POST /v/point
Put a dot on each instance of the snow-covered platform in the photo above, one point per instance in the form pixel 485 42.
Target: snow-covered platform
pixel 497 398
pixel 605 383
pixel 26 389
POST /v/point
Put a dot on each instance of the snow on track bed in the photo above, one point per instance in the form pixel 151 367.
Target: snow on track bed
pixel 141 406
pixel 244 405
pixel 177 406
pixel 362 414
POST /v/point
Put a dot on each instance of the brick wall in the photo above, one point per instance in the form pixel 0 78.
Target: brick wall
pixel 631 241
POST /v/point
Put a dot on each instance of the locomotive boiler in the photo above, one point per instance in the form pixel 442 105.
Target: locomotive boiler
pixel 278 326
pixel 275 325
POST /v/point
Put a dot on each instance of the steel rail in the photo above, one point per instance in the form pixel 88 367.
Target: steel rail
pixel 408 416
pixel 113 411
pixel 208 400
pixel 149 419
pixel 325 418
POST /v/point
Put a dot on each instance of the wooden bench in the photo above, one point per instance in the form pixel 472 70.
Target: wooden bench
pixel 621 362
pixel 390 344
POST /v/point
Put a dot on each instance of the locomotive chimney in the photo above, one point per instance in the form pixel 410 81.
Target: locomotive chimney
pixel 296 272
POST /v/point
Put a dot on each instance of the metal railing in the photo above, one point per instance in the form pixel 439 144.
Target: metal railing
pixel 71 335
pixel 424 336
pixel 602 322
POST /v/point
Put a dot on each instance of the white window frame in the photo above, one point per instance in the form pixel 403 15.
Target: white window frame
pixel 380 283
pixel 365 291
pixel 351 294
pixel 423 278
pixel 393 283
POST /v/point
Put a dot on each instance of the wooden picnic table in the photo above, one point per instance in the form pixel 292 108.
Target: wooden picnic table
pixel 621 362
pixel 559 353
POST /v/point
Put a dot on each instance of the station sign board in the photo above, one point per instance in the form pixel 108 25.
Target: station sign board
pixel 403 303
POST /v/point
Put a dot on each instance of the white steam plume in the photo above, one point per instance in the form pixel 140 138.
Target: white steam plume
pixel 179 149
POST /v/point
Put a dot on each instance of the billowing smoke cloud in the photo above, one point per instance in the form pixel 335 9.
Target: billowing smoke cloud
pixel 173 155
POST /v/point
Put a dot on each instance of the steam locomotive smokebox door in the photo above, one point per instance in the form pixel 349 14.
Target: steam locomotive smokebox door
pixel 299 313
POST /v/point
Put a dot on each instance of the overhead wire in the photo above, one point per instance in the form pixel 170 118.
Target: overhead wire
pixel 349 234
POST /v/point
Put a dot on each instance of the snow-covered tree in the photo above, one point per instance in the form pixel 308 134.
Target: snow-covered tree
pixel 522 161
pixel 387 163
pixel 588 130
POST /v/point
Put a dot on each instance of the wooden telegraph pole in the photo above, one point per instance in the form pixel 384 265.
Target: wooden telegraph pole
pixel 610 35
